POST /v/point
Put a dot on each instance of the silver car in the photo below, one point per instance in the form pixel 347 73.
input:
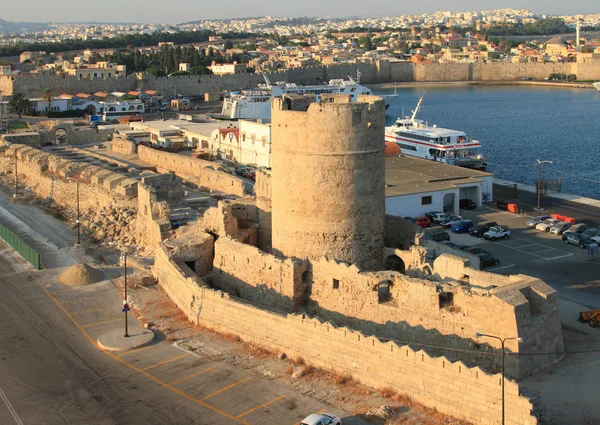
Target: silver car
pixel 545 225
pixel 560 227
pixel 532 222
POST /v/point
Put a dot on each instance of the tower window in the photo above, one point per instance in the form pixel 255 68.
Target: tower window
pixel 336 284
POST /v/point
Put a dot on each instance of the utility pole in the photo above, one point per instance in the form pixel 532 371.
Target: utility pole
pixel 125 303
pixel 502 341
pixel 77 221
pixel 539 182
pixel 16 176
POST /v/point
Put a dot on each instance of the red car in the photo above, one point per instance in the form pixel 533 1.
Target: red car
pixel 422 222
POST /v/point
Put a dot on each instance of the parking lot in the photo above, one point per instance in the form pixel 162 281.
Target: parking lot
pixel 526 247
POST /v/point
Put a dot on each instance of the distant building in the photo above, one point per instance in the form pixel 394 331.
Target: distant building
pixel 556 46
pixel 101 70
pixel 227 68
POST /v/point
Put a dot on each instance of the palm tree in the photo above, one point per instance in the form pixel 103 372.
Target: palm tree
pixel 47 95
pixel 18 103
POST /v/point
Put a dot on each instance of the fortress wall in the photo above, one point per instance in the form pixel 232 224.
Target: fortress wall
pixel 257 276
pixel 46 174
pixel 197 171
pixel 32 85
pixel 452 388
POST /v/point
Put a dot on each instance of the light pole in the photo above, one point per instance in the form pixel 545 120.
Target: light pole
pixel 125 303
pixel 502 341
pixel 16 176
pixel 539 184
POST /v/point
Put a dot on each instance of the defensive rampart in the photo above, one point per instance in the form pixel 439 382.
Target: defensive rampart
pixel 199 172
pixel 436 382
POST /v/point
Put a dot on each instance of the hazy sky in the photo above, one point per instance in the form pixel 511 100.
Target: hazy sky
pixel 176 11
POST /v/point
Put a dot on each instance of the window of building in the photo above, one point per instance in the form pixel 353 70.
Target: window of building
pixel 336 284
pixel 243 137
pixel 446 299
pixel 426 200
pixel 356 118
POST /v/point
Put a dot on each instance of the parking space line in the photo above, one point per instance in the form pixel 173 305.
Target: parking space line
pixel 226 388
pixel 164 362
pixel 560 256
pixel 82 299
pixel 135 350
pixel 101 323
pixel 89 311
pixel 260 406
pixel 194 374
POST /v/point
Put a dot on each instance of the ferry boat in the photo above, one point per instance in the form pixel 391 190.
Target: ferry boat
pixel 255 103
pixel 597 85
pixel 417 138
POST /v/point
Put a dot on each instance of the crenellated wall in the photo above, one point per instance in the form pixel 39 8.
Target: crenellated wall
pixel 436 382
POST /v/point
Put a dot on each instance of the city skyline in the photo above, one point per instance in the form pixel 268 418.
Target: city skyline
pixel 153 11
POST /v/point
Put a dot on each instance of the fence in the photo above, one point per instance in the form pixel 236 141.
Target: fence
pixel 22 248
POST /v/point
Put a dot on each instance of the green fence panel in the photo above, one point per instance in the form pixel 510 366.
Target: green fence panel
pixel 20 246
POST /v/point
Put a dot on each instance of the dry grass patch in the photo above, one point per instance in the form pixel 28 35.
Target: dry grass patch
pixel 341 379
pixel 257 351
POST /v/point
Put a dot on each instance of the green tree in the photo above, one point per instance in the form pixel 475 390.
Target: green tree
pixel 228 45
pixel 47 96
pixel 18 104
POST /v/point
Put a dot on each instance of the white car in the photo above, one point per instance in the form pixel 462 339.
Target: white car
pixel 560 227
pixel 321 419
pixel 545 225
pixel 439 217
pixel 497 232
pixel 532 222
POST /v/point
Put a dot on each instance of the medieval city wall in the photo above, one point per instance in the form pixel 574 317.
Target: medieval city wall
pixel 46 175
pixel 32 85
pixel 197 171
pixel 436 382
pixel 258 276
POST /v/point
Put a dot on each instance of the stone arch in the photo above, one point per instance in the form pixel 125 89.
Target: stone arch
pixel 395 263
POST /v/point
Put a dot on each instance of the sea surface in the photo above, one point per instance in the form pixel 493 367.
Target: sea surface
pixel 517 125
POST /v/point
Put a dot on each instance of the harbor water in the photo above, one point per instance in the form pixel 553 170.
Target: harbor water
pixel 517 125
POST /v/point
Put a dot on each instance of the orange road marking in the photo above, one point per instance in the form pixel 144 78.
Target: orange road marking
pixel 261 406
pixel 194 374
pixel 82 299
pixel 226 388
pixel 89 311
pixel 165 362
pixel 134 350
pixel 101 323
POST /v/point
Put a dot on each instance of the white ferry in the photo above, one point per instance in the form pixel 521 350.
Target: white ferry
pixel 417 138
pixel 597 85
pixel 255 103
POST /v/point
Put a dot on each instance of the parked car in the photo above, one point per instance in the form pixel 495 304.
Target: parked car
pixel 487 260
pixel 409 219
pixel 532 222
pixel 437 236
pixel 422 221
pixel 481 228
pixel 590 233
pixel 451 221
pixel 497 232
pixel 578 239
pixel 560 227
pixel 321 419
pixel 462 226
pixel 475 250
pixel 449 243
pixel 430 214
pixel 462 246
pixel 467 204
pixel 439 217
pixel 578 228
pixel 545 225
pixel 595 239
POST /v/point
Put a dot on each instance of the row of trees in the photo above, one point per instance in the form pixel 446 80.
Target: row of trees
pixel 541 27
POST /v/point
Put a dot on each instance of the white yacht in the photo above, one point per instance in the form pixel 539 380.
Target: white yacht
pixel 255 103
pixel 597 85
pixel 417 138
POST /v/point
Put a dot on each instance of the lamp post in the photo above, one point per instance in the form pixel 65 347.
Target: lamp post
pixel 539 184
pixel 502 341
pixel 125 303
pixel 78 222
pixel 16 176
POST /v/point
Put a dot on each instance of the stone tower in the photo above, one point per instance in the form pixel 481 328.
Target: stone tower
pixel 328 185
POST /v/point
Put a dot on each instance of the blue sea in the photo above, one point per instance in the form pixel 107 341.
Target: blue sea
pixel 517 125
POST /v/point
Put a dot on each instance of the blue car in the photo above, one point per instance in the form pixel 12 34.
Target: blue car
pixel 462 226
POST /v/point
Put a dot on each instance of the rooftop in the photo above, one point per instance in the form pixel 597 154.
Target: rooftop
pixel 405 175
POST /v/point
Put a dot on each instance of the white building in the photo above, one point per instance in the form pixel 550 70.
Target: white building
pixel 63 104
pixel 112 111
pixel 227 68
pixel 416 186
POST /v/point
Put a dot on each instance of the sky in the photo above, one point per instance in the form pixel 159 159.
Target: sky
pixel 161 11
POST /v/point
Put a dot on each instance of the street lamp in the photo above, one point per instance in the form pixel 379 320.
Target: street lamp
pixel 125 303
pixel 16 176
pixel 539 184
pixel 502 341
pixel 77 221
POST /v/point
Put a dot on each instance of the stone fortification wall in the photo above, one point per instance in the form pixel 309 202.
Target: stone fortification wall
pixel 452 388
pixel 262 189
pixel 197 171
pixel 328 179
pixel 74 134
pixel 400 233
pixel 443 314
pixel 45 174
pixel 152 222
pixel 123 146
pixel 257 276
pixel 32 85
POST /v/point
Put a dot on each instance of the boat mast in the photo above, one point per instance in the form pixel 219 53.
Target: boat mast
pixel 414 113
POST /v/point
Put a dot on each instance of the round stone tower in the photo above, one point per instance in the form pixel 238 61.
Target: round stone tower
pixel 328 178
